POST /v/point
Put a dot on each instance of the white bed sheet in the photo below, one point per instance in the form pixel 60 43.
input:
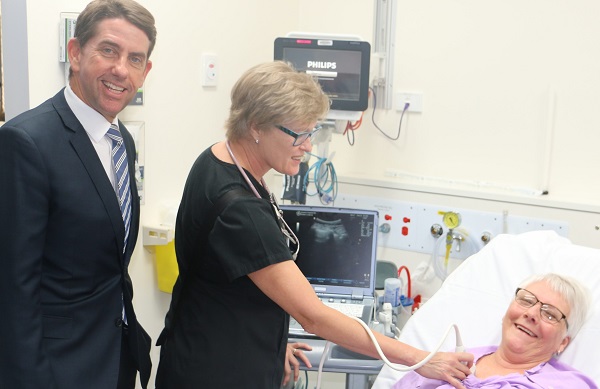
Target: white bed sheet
pixel 476 295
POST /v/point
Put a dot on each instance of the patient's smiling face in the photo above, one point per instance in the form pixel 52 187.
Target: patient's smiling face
pixel 526 335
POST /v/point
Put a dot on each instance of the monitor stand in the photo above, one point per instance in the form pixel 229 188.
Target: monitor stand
pixel 344 115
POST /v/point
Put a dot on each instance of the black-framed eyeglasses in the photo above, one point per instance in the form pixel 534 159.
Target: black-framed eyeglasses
pixel 299 138
pixel 548 313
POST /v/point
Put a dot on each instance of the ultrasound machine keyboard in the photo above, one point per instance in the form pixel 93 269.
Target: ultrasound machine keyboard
pixel 355 310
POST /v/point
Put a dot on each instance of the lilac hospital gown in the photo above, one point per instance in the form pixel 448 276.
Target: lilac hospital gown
pixel 550 375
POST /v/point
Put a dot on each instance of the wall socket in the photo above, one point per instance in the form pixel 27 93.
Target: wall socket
pixel 414 98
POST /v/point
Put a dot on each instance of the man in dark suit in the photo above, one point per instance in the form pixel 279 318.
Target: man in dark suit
pixel 65 238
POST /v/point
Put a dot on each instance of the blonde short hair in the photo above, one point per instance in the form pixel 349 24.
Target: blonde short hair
pixel 273 93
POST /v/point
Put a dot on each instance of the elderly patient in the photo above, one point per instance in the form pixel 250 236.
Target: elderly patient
pixel 546 313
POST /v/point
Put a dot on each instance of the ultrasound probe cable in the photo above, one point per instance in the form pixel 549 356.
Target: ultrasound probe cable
pixel 395 366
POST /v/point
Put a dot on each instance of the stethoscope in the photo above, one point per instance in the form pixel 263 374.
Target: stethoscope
pixel 285 228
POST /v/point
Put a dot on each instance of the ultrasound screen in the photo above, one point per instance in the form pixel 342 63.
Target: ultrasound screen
pixel 336 246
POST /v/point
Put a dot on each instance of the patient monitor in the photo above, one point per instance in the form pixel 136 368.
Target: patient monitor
pixel 340 63
pixel 476 295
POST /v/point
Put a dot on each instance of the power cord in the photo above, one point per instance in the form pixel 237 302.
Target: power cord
pixel 305 379
pixel 350 128
pixel 406 105
pixel 397 367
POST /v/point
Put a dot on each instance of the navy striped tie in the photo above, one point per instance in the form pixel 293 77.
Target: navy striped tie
pixel 119 156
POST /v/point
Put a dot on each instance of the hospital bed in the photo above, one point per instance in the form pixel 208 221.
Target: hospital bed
pixel 476 295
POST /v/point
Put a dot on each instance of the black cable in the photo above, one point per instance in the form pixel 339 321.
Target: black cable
pixel 406 105
pixel 348 132
pixel 351 127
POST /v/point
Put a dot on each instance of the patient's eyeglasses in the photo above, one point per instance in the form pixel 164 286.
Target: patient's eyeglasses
pixel 285 229
pixel 299 138
pixel 548 313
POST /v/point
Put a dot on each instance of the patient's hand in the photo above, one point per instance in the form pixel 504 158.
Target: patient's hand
pixel 292 354
pixel 450 367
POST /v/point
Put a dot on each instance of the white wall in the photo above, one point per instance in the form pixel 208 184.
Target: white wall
pixel 511 91
pixel 497 79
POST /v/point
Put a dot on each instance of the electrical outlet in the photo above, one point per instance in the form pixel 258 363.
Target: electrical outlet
pixel 415 100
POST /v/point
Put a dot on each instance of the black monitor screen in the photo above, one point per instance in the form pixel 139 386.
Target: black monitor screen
pixel 341 67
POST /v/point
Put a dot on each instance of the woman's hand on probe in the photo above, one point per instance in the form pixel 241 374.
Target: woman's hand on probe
pixel 450 367
pixel 292 354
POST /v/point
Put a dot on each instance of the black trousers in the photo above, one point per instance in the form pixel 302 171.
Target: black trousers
pixel 127 370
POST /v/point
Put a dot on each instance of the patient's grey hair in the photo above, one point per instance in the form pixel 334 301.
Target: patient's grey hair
pixel 574 292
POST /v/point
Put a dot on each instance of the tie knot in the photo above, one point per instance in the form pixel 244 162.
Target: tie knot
pixel 114 134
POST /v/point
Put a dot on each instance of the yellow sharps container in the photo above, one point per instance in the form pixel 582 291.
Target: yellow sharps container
pixel 166 266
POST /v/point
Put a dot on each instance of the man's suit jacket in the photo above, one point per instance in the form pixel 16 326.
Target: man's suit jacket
pixel 63 273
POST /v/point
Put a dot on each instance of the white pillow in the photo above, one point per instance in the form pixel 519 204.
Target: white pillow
pixel 476 295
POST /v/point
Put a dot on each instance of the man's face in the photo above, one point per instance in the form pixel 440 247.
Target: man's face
pixel 110 68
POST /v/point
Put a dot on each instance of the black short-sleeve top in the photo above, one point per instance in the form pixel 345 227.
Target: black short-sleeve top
pixel 225 332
